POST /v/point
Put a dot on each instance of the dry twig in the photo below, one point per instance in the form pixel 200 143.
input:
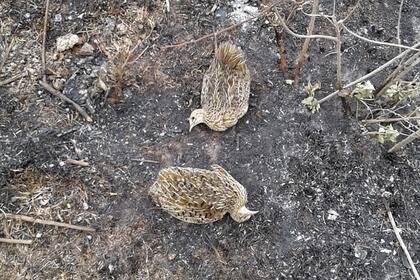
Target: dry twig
pixel 142 160
pixel 280 43
pixel 326 37
pixel 398 73
pixel 399 23
pixel 377 42
pixel 410 138
pixel 58 94
pixel 47 222
pixel 338 84
pixel 44 39
pixel 15 241
pixel 301 57
pixel 77 162
pixel 370 74
pixel 281 49
pixel 391 120
pixel 351 11
pixel 11 79
pixel 400 240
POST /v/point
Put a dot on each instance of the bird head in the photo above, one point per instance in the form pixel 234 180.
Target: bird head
pixel 196 117
pixel 242 214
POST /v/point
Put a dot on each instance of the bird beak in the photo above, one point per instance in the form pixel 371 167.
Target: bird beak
pixel 246 211
pixel 191 126
pixel 253 212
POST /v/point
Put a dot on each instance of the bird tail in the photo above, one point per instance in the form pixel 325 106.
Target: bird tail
pixel 230 55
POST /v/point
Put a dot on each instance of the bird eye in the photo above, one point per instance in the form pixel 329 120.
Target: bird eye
pixel 192 118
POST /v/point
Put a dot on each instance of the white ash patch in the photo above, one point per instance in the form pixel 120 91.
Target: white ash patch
pixel 242 11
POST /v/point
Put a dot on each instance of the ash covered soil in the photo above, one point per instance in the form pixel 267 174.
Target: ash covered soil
pixel 300 169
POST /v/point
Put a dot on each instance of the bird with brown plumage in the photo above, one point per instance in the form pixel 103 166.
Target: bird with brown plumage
pixel 225 90
pixel 200 196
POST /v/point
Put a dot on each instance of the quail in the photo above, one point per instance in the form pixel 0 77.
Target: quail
pixel 200 196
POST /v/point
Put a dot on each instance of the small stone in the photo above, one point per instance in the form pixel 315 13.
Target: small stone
pixel 332 215
pixel 58 84
pixel 38 235
pixel 85 206
pixel 67 42
pixel 359 252
pixel 44 202
pixel 171 257
pixel 111 268
pixel 386 251
pixel 121 29
pixel 86 50
pixel 58 18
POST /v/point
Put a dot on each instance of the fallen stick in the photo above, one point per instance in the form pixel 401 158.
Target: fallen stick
pixel 145 160
pixel 55 92
pixel 400 240
pixel 391 120
pixel 399 23
pixel 67 132
pixel 44 39
pixel 47 222
pixel 77 162
pixel 15 241
pixel 410 138
pixel 11 79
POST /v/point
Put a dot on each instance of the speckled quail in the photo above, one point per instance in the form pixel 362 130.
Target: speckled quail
pixel 225 90
pixel 200 196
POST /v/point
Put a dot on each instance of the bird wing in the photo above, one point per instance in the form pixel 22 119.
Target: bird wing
pixel 225 90
pixel 237 192
pixel 240 91
pixel 213 95
pixel 191 195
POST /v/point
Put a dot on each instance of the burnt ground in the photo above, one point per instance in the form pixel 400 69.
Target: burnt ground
pixel 297 166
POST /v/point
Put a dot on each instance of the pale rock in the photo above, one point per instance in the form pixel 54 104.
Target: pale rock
pixel 67 42
pixel 332 215
pixel 86 50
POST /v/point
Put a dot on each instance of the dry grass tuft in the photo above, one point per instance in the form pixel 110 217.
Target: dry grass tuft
pixel 127 45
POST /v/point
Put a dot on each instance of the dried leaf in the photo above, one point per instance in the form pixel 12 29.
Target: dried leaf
pixel 363 90
pixel 387 133
pixel 312 104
